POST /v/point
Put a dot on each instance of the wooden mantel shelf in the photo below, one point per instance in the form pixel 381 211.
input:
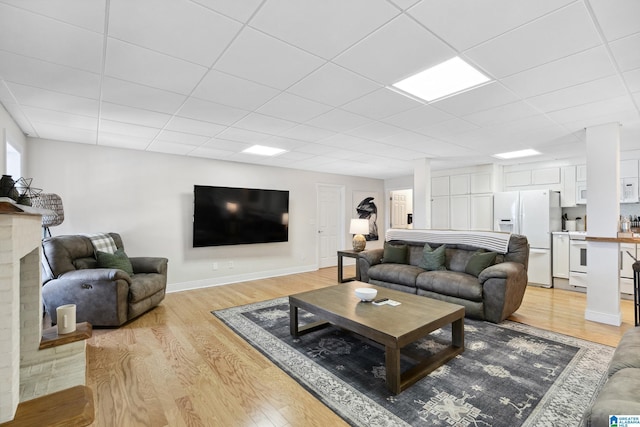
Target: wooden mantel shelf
pixel 50 337
pixel 70 407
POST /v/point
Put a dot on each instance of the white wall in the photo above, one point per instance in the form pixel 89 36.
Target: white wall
pixel 148 199
pixel 10 131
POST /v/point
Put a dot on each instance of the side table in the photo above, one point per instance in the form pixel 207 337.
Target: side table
pixel 350 253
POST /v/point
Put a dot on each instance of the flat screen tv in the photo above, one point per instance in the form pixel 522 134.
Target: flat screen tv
pixel 237 216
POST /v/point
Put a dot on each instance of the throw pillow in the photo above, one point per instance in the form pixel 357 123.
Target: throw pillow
pixel 396 254
pixel 118 259
pixel 433 259
pixel 479 261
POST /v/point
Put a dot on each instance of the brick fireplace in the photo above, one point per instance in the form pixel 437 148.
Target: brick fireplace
pixel 26 370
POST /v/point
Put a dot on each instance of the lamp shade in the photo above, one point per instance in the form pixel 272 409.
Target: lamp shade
pixel 359 226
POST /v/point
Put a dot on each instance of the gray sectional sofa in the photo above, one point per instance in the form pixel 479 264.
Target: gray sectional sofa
pixel 491 294
pixel 621 393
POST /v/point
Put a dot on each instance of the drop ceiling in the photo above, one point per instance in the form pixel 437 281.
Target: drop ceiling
pixel 209 78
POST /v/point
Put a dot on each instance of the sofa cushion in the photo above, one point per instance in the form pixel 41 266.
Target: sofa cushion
pixel 118 259
pixel 451 283
pixel 619 396
pixel 395 254
pixel 401 274
pixel 479 261
pixel 433 259
pixel 627 353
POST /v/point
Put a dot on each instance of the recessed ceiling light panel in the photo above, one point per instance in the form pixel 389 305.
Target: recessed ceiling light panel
pixel 262 150
pixel 517 154
pixel 442 80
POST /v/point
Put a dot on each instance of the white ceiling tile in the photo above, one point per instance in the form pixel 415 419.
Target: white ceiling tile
pixel 48 39
pixel 263 59
pixel 333 85
pixel 554 36
pixel 61 119
pixel 181 137
pixel 176 28
pixel 418 117
pixel 119 128
pixel 338 121
pixel 626 51
pixel 448 129
pixel 296 156
pixel 197 127
pixel 380 104
pixel 198 109
pixel 65 133
pixel 466 23
pixel 284 143
pixel 233 91
pixel 323 28
pixel 398 50
pixel 582 67
pixel 124 114
pixel 81 13
pixel 135 95
pixel 131 142
pixel 35 97
pixel 502 114
pixel 482 98
pixel 617 19
pixel 375 131
pixel 404 4
pixel 129 62
pixel 240 10
pixel 633 80
pixel 243 135
pixel 291 107
pixel 223 144
pixel 261 123
pixel 307 133
pixel 170 147
pixel 595 113
pixel 33 72
pixel 596 90
pixel 210 153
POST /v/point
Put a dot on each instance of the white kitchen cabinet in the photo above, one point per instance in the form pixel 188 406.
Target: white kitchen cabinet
pixel 627 258
pixel 581 173
pixel 440 186
pixel 539 270
pixel 517 178
pixel 459 184
pixel 568 194
pixel 440 213
pixel 545 176
pixel 560 255
pixel 481 183
pixel 481 212
pixel 459 213
pixel 629 168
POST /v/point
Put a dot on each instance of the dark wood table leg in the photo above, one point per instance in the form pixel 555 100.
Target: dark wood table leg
pixel 392 362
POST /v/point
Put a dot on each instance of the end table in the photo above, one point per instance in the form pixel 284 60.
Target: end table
pixel 350 253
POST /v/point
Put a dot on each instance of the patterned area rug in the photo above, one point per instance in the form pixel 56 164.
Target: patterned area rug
pixel 509 374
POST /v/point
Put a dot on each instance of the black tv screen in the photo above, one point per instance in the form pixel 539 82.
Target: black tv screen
pixel 236 216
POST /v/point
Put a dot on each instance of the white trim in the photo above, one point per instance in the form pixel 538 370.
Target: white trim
pixel 227 280
pixel 606 318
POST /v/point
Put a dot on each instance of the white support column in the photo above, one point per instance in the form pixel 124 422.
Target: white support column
pixel 422 194
pixel 603 213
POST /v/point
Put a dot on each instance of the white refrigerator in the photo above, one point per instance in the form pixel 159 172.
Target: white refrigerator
pixel 535 214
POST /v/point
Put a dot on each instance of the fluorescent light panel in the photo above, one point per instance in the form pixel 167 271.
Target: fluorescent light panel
pixel 445 79
pixel 517 154
pixel 262 150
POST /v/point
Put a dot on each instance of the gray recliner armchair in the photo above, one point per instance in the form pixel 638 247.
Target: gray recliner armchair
pixel 103 296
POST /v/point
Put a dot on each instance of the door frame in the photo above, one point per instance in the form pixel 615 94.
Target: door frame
pixel 341 219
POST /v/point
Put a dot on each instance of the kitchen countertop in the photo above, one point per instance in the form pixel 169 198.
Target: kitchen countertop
pixel 613 239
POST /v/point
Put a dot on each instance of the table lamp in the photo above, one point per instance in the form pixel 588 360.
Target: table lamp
pixel 358 227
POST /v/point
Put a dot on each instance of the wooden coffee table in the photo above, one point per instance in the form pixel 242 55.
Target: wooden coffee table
pixel 393 327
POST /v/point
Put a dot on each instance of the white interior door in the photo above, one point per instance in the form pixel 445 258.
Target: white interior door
pixel 398 210
pixel 330 223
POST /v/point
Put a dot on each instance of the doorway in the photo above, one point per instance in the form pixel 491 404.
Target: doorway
pixel 330 202
pixel 401 210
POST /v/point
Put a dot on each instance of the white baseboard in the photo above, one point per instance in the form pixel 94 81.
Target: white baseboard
pixel 606 318
pixel 227 280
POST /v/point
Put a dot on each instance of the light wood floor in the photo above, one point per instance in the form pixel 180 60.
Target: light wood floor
pixel 178 365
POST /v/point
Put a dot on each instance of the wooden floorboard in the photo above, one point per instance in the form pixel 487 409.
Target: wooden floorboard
pixel 178 365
